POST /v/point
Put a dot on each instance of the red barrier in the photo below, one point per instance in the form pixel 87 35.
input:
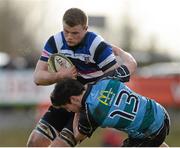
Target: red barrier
pixel 165 90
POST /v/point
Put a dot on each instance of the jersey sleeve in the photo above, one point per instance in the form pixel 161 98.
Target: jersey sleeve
pixel 104 56
pixel 49 49
pixel 86 124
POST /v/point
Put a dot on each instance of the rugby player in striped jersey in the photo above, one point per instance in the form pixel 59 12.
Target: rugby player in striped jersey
pixel 92 57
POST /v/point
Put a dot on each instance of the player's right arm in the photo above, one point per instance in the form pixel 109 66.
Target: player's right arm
pixel 43 77
pixel 41 74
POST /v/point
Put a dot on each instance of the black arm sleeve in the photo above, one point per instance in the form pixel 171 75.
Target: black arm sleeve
pixel 86 124
pixel 121 73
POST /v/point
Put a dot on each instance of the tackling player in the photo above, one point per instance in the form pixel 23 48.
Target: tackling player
pixel 92 57
pixel 110 103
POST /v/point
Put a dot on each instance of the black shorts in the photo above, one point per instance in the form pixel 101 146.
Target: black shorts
pixel 155 140
pixel 58 118
pixel 54 120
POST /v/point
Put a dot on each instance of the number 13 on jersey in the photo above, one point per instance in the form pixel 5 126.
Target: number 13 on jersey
pixel 131 103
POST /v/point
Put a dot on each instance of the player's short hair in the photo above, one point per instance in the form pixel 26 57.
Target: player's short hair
pixel 64 89
pixel 75 16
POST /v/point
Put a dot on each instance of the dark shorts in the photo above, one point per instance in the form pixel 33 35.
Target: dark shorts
pixel 60 118
pixel 57 118
pixel 155 140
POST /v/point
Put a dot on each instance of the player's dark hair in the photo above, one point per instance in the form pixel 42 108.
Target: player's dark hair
pixel 75 16
pixel 64 89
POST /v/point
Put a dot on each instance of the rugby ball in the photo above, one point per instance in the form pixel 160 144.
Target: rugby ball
pixel 57 61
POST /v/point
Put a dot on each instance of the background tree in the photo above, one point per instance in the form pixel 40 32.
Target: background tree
pixel 14 40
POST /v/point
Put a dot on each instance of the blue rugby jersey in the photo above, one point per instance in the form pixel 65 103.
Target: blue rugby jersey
pixel 91 57
pixel 110 103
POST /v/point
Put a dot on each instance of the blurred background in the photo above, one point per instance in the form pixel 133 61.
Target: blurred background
pixel 149 30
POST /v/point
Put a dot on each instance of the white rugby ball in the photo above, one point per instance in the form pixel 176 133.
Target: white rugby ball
pixel 57 61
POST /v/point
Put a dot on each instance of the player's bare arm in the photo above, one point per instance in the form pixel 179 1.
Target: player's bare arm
pixel 125 58
pixel 43 77
pixel 78 136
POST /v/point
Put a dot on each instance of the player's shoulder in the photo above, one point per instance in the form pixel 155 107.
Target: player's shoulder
pixel 92 40
pixel 55 36
pixel 58 34
pixel 53 43
pixel 90 33
pixel 94 35
pixel 57 40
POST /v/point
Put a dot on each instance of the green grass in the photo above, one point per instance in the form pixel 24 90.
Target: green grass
pixel 14 137
pixel 17 135
pixel 173 137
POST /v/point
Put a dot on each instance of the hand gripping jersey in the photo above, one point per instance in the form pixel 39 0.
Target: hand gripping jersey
pixel 91 57
pixel 110 103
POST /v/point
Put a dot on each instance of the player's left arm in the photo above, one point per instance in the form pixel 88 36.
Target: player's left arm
pixel 125 58
pixel 78 136
pixel 109 57
pixel 83 125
